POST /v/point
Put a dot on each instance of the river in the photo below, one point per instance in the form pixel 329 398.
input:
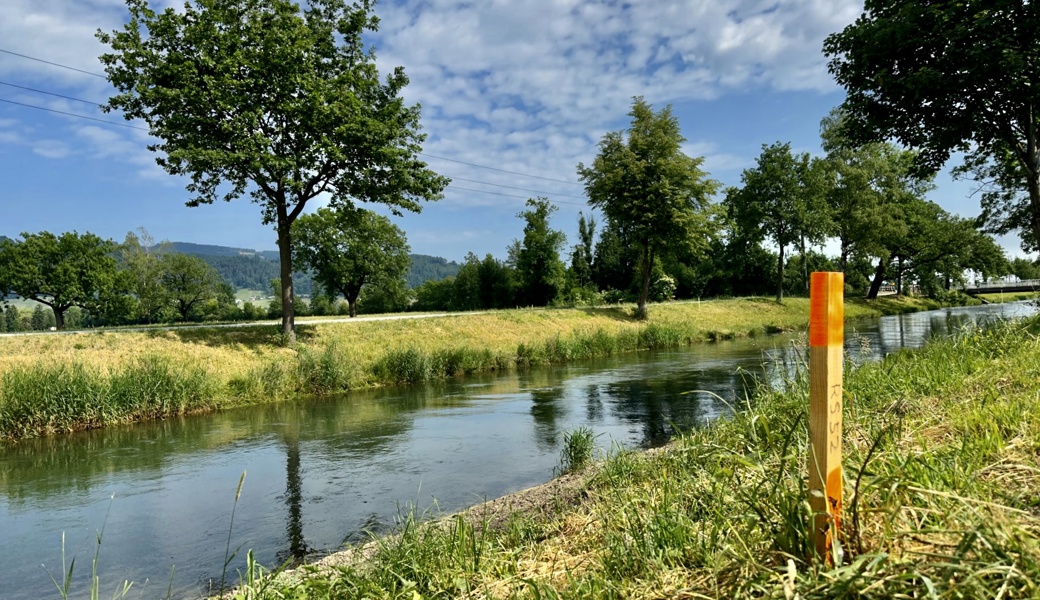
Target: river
pixel 322 473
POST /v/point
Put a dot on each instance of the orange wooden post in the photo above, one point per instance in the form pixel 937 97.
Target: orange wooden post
pixel 826 337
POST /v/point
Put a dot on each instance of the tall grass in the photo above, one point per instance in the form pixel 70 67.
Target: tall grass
pixel 49 398
pixel 942 476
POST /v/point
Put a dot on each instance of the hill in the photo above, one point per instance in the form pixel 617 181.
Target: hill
pixel 250 269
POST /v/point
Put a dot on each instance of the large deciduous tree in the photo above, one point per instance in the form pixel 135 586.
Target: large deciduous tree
pixel 943 77
pixel 58 271
pixel 645 185
pixel 782 201
pixel 540 273
pixel 350 248
pixel 189 281
pixel 267 99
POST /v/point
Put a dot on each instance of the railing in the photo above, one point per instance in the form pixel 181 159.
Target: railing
pixel 1024 285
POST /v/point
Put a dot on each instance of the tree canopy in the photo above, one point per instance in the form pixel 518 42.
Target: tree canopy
pixel 946 77
pixel 781 200
pixel 59 271
pixel 540 272
pixel 350 248
pixel 644 183
pixel 265 99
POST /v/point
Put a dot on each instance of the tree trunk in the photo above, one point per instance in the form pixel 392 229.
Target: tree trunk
pixel 59 317
pixel 844 256
pixel 805 265
pixel 1034 202
pixel 899 276
pixel 352 303
pixel 879 276
pixel 780 276
pixel 285 262
pixel 644 294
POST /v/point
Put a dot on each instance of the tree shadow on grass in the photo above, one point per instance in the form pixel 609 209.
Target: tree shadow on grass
pixel 619 313
pixel 252 337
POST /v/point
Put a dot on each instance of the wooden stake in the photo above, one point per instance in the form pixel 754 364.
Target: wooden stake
pixel 826 338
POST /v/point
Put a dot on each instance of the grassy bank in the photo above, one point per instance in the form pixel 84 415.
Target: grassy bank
pixel 58 383
pixel 1002 298
pixel 942 481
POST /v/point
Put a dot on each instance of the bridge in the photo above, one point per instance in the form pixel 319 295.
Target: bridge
pixel 1003 287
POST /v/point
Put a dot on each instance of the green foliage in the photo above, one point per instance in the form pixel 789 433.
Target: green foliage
pixel 946 78
pixel 59 271
pixel 645 185
pixel 12 320
pixel 350 248
pixel 540 273
pixel 271 100
pixel 781 201
pixel 423 268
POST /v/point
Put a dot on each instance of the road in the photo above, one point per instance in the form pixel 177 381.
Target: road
pixel 303 321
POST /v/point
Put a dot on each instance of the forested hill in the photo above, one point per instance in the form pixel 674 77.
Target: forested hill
pixel 426 268
pixel 254 270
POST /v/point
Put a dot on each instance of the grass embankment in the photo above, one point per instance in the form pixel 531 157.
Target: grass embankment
pixel 1004 298
pixel 942 496
pixel 59 383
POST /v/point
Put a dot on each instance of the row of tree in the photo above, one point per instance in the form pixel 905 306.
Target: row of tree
pixel 112 284
pixel 283 102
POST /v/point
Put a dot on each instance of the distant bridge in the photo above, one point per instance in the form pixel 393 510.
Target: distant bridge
pixel 1003 287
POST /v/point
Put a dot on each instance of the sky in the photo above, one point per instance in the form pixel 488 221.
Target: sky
pixel 514 94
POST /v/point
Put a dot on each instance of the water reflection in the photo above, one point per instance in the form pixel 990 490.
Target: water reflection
pixel 322 472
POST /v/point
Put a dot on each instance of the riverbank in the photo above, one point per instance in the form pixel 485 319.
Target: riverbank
pixel 60 383
pixel 942 476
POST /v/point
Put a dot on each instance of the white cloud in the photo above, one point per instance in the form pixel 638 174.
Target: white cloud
pixel 51 148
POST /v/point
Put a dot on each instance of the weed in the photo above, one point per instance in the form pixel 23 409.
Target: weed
pixel 579 449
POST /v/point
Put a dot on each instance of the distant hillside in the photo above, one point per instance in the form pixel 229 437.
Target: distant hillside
pixel 426 268
pixel 212 250
pixel 254 269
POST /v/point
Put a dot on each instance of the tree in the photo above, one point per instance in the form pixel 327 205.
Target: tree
pixel 539 270
pixel 59 271
pixel 647 185
pixel 141 258
pixel 12 320
pixel 265 98
pixel 943 77
pixel 780 201
pixel 189 281
pixel 581 253
pixel 349 248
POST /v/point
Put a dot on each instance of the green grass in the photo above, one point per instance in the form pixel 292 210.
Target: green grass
pixel 1015 297
pixel 58 383
pixel 942 480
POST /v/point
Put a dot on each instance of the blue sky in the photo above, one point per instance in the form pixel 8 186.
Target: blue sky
pixel 524 86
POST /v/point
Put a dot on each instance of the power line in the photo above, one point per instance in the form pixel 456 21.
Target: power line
pixel 29 89
pixel 421 153
pixel 54 64
pixel 68 114
pixel 462 189
pixel 499 170
pixel 516 188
